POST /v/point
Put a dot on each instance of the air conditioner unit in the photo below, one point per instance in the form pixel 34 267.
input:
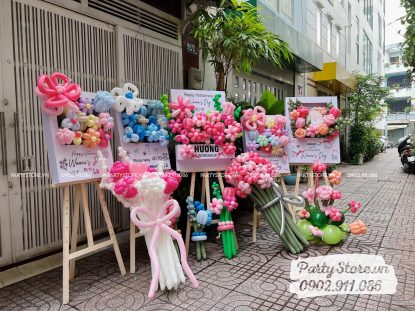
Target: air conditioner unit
pixel 195 79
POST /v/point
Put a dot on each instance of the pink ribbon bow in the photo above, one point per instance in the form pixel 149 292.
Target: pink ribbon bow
pixel 59 92
pixel 162 223
pixel 254 118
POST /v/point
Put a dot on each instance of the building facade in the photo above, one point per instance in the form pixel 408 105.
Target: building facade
pixel 331 39
pixel 401 102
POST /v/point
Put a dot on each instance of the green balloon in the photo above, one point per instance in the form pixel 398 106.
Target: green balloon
pixel 332 235
pixel 344 227
pixel 318 218
pixel 304 226
pixel 338 223
pixel 314 209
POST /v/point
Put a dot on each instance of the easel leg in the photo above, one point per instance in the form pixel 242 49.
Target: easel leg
pixel 132 247
pixel 207 188
pixel 310 176
pixel 107 218
pixel 65 238
pixel 326 178
pixel 297 180
pixel 254 223
pixel 75 224
pixel 203 196
pixel 188 224
pixel 87 218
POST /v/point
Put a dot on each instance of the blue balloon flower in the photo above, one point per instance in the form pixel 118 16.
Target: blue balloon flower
pixel 151 133
pixel 140 131
pixel 129 135
pixel 103 101
pixel 142 111
pixel 155 107
pixel 129 120
pixel 253 135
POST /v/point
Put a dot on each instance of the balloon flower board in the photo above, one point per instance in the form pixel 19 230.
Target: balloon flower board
pixel 197 149
pixel 314 134
pixel 142 130
pixel 72 162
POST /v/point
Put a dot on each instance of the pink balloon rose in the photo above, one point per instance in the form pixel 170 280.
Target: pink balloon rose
pixel 303 111
pixel 324 192
pixel 329 119
pixel 335 112
pixel 300 123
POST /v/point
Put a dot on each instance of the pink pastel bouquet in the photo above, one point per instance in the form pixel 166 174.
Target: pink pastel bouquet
pixel 327 124
pixel 218 126
pixel 81 120
pixel 320 219
pixel 254 176
pixel 146 191
pixel 264 133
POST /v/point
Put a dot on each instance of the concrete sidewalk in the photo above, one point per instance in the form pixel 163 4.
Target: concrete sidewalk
pixel 258 278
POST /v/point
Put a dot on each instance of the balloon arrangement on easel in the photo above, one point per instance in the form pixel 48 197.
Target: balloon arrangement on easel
pixel 82 120
pixel 320 220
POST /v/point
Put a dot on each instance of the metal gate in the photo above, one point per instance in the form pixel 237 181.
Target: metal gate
pixel 37 37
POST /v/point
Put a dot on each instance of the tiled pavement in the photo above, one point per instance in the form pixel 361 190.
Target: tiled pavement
pixel 258 278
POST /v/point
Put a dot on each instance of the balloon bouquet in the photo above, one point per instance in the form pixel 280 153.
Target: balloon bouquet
pixel 320 220
pixel 147 192
pixel 254 176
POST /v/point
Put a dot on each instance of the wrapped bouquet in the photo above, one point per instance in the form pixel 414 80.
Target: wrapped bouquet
pixel 254 176
pixel 147 192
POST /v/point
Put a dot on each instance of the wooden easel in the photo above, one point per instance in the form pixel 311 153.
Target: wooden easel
pixel 310 179
pixel 205 197
pixel 257 215
pixel 70 252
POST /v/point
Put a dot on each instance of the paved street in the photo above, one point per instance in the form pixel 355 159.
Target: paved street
pixel 258 278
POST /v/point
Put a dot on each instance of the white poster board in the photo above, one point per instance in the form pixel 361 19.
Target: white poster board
pixel 203 100
pixel 281 163
pixel 207 158
pixel 71 163
pixel 143 152
pixel 308 150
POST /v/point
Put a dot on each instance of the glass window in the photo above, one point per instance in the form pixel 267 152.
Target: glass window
pixel 349 29
pixel 319 27
pixel 255 87
pixel 337 43
pixel 236 96
pixel 244 84
pixel 243 97
pixel 236 82
pixel 380 29
pixel 329 26
pixel 357 53
pixel 279 94
pixel 367 54
pixel 394 59
pixel 368 11
pixel 249 85
pixel 286 8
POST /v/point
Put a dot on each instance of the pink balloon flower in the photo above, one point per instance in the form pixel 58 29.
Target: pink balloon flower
pixel 324 192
